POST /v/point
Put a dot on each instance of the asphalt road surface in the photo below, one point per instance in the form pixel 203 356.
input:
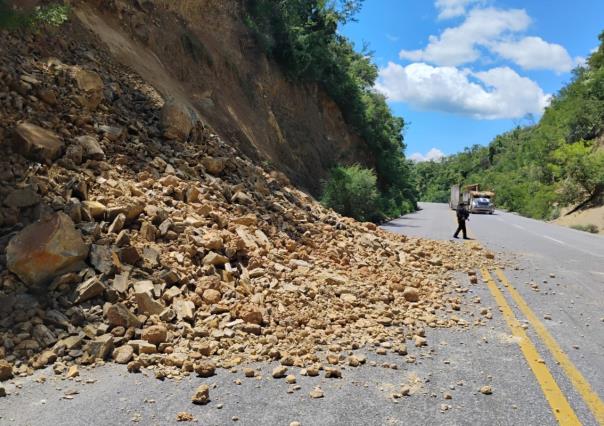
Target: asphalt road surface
pixel 541 371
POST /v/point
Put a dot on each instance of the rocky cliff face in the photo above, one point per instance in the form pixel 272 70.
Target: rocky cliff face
pixel 202 53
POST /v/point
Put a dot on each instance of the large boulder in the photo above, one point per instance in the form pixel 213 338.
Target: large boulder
pixel 91 88
pixel 37 143
pixel 46 249
pixel 176 121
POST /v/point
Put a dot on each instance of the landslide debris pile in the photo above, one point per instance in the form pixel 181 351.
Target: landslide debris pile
pixel 131 232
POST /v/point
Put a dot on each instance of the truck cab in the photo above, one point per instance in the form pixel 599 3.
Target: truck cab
pixel 481 202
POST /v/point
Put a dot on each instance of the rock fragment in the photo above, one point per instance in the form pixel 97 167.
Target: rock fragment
pixel 46 249
pixel 202 395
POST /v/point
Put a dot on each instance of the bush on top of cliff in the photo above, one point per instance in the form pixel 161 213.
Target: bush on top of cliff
pixel 302 36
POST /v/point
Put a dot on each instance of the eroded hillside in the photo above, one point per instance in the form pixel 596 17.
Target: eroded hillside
pixel 202 53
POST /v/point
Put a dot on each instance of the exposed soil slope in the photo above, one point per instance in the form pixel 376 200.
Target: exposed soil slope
pixel 202 49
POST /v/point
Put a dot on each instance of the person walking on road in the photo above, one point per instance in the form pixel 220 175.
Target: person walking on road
pixel 462 216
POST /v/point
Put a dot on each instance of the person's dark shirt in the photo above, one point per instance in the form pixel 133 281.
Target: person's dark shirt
pixel 462 213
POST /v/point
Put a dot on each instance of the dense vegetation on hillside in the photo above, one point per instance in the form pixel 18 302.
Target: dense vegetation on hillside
pixel 537 169
pixel 301 35
pixel 53 14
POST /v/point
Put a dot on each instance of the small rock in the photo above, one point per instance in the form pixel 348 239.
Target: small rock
pixel 333 373
pixel 72 372
pixel 279 372
pixel 183 416
pixel 123 354
pixel 316 393
pixel 202 395
pixel 411 294
pixel 6 370
pixel 205 369
pixel 89 289
pixel 37 143
pixel 155 334
pixel 486 390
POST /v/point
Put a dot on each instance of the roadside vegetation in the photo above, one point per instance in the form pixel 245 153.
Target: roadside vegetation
pixel 301 35
pixel 591 228
pixel 538 169
pixel 53 15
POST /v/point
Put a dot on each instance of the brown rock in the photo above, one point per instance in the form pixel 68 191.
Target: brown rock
pixel 123 354
pixel 250 314
pixel 21 198
pixel 411 294
pixel 100 347
pixel 155 334
pixel 202 395
pixel 176 121
pixel 119 315
pixel 279 372
pixel 333 373
pixel 205 369
pixel 147 304
pixel 37 143
pixel 211 296
pixel 143 347
pixel 91 88
pixel 89 289
pixel 214 166
pixel 96 209
pixel 92 148
pixel 213 258
pixel 316 393
pixel 6 370
pixel 117 224
pixel 486 390
pixel 46 249
pixel 72 372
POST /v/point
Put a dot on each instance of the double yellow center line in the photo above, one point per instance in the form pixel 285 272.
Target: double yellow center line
pixel 561 408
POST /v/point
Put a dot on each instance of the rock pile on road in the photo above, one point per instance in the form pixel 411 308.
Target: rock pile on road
pixel 130 232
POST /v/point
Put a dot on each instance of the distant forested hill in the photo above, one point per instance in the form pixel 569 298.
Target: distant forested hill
pixel 535 170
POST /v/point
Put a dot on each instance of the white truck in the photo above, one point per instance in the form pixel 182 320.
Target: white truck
pixel 477 201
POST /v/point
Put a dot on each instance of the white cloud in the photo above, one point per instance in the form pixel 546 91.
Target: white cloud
pixel 434 154
pixel 495 30
pixel 448 9
pixel 533 53
pixel 459 45
pixel 494 94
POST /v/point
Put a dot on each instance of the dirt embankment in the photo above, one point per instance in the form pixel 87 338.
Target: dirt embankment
pixel 203 52
pixel 587 217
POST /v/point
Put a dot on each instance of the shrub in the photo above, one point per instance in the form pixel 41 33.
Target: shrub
pixel 352 191
pixel 53 15
pixel 590 227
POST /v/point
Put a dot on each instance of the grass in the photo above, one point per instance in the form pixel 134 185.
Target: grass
pixel 590 227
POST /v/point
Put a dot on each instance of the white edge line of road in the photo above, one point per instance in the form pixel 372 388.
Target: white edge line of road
pixel 555 240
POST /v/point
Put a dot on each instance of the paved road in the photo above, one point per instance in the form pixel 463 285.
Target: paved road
pixel 567 267
pixel 455 362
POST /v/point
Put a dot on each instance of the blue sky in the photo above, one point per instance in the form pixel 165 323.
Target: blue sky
pixel 463 71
